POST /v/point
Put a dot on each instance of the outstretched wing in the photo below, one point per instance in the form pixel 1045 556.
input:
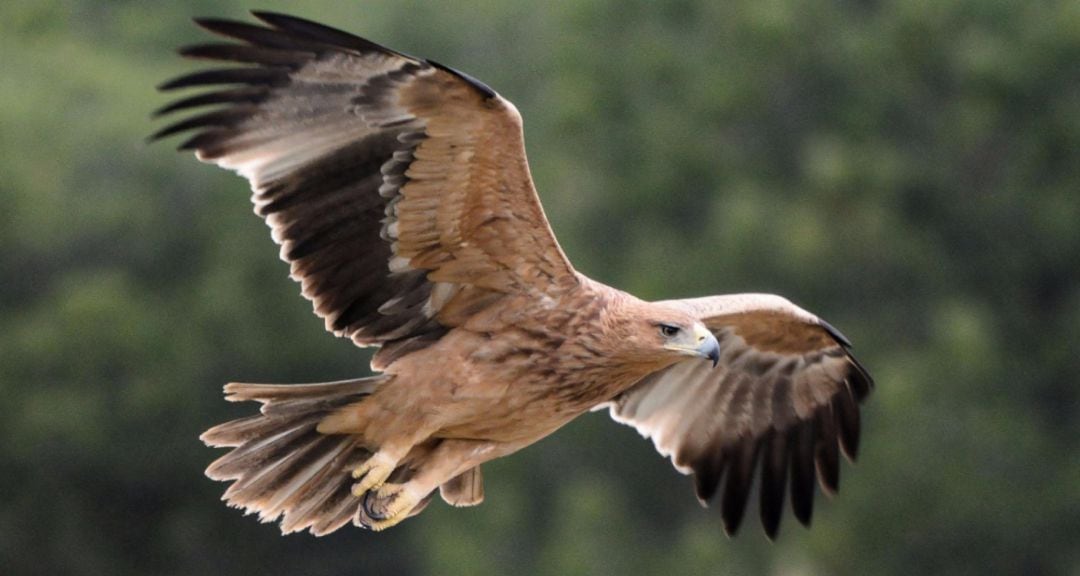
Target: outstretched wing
pixel 397 188
pixel 786 392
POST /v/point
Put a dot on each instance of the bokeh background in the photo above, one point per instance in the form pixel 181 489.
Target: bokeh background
pixel 909 170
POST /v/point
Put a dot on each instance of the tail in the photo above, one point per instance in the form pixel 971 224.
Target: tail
pixel 280 465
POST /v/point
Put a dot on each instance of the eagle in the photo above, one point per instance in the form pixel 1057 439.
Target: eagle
pixel 400 195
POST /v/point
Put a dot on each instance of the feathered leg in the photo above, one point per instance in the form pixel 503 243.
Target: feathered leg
pixel 393 502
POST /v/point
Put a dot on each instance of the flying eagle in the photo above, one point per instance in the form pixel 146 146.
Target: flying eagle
pixel 399 192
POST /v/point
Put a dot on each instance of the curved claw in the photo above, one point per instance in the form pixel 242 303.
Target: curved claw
pixel 387 506
pixel 367 506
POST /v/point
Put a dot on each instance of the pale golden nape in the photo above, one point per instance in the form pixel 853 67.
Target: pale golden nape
pixel 399 192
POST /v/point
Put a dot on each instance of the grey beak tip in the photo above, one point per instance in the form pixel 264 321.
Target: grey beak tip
pixel 711 351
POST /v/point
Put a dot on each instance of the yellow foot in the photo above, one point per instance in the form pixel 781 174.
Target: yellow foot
pixel 372 473
pixel 387 505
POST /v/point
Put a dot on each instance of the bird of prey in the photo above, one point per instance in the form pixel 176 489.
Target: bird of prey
pixel 400 195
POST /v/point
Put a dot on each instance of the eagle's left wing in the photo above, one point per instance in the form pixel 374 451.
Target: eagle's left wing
pixel 397 188
pixel 786 392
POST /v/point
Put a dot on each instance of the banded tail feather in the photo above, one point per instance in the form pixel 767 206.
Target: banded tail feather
pixel 280 466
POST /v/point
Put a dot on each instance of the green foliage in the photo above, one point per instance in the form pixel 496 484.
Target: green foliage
pixel 909 170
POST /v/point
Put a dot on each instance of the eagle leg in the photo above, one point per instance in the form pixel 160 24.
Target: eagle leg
pixel 407 493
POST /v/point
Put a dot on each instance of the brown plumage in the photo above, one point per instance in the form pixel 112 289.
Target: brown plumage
pixel 399 192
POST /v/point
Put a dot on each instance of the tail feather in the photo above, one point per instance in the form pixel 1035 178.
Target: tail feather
pixel 271 394
pixel 335 511
pixel 236 432
pixel 283 400
pixel 263 482
pixel 281 465
pixel 282 486
pixel 322 505
pixel 262 452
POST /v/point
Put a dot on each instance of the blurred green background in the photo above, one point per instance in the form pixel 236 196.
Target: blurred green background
pixel 908 170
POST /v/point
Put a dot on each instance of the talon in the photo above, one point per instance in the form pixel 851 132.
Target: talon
pixel 372 473
pixel 369 510
pixel 386 506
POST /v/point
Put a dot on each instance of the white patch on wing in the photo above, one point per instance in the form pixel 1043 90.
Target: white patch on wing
pixel 293 128
pixel 399 264
pixel 441 293
pixel 386 306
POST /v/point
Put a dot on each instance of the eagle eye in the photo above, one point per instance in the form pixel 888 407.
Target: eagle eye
pixel 668 330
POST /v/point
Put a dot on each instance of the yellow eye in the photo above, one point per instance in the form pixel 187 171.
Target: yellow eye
pixel 668 330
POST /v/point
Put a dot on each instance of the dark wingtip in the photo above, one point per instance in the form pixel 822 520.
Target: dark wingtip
pixel 731 526
pixel 836 334
pixel 209 23
pixel 166 85
pixel 861 381
pixel 845 406
pixel 242 95
pixel 278 18
pixel 480 87
pixel 705 489
pixel 774 472
pixel 157 136
pixel 772 529
pixel 740 480
pixel 285 21
pixel 802 472
pixel 708 470
pixel 163 133
pixel 313 30
pixel 316 32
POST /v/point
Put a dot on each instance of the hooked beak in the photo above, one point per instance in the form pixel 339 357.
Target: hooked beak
pixel 707 346
pixel 701 343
